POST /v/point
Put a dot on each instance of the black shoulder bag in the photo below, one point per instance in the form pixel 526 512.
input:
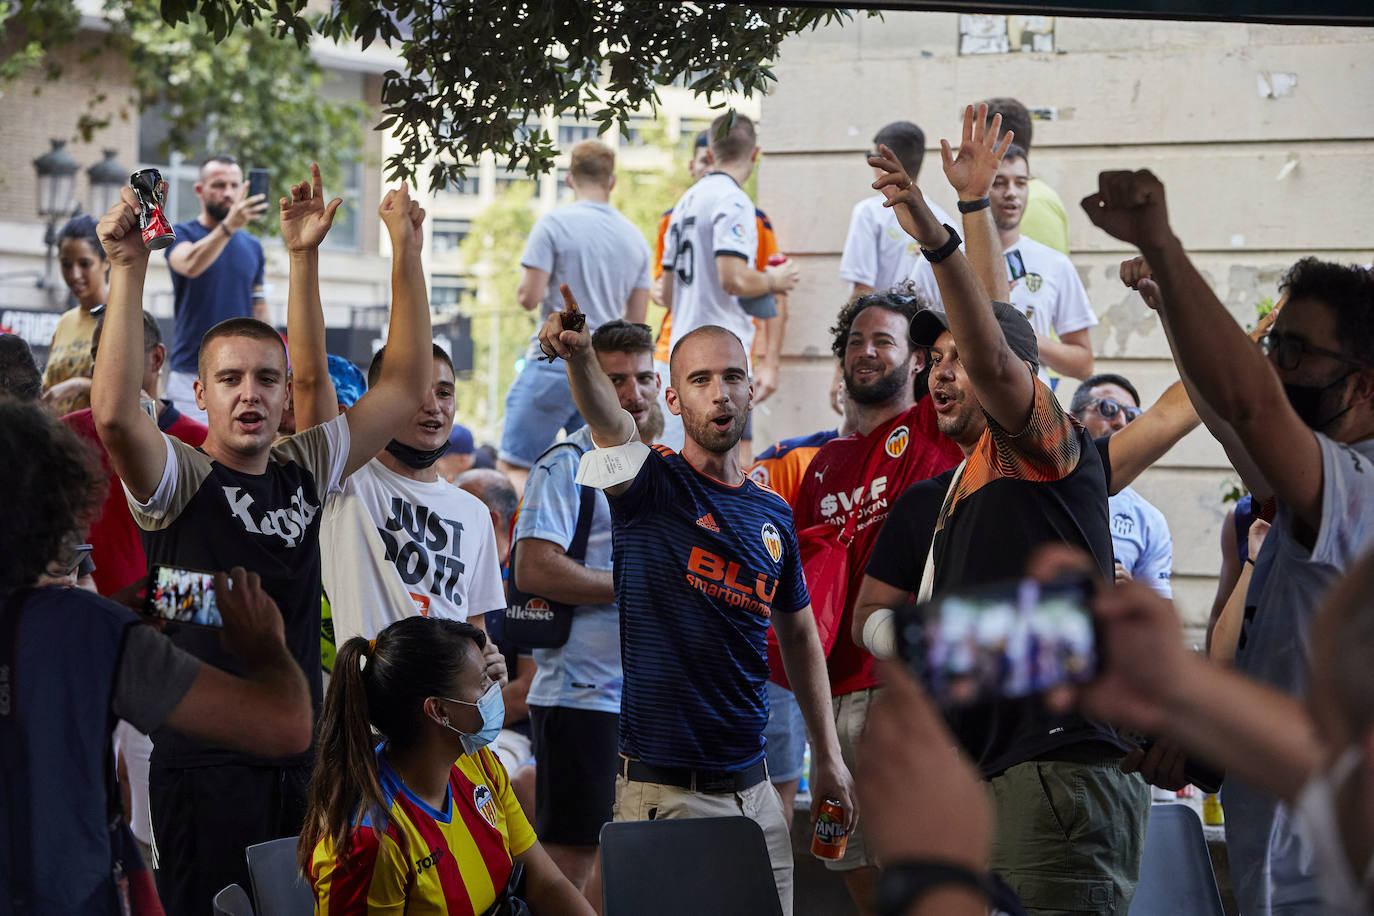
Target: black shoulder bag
pixel 535 622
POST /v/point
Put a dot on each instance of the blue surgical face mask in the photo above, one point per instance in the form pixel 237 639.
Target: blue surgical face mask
pixel 492 706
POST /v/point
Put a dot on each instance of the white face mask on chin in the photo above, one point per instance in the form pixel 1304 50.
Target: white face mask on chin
pixel 1342 892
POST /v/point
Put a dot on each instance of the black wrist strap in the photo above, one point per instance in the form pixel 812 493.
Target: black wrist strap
pixel 973 206
pixel 903 883
pixel 945 250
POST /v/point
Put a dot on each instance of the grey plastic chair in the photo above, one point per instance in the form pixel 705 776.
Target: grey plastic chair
pixel 278 888
pixel 232 901
pixel 1176 876
pixel 686 868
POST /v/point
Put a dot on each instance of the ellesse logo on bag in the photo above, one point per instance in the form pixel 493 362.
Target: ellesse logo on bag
pixel 897 442
pixel 533 609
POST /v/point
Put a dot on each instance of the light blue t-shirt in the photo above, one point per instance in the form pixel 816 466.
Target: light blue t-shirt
pixel 599 253
pixel 1141 541
pixel 584 673
pixel 1272 865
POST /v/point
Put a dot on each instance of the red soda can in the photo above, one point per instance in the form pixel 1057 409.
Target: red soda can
pixel 152 223
pixel 831 835
pixel 776 258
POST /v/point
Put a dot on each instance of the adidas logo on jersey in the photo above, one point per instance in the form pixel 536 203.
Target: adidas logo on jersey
pixel 708 522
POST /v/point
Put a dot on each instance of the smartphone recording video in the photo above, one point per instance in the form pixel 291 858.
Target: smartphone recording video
pixel 1000 642
pixel 182 596
pixel 258 181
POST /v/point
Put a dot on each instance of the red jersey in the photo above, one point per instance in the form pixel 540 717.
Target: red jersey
pixel 866 474
pixel 117 548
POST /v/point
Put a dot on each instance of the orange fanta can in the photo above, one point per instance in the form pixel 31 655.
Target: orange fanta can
pixel 831 836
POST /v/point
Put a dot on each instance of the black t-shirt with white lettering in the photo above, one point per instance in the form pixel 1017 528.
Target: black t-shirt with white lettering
pixel 210 517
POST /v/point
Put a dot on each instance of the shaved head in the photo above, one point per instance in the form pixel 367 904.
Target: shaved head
pixel 704 339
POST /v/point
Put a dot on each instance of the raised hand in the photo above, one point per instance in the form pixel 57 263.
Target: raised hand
pixel 906 200
pixel 305 218
pixel 557 338
pixel 1130 206
pixel 403 219
pixel 119 233
pixel 1135 273
pixel 972 170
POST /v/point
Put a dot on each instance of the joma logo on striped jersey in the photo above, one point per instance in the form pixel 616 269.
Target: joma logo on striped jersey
pixel 431 860
pixel 729 581
pixel 864 493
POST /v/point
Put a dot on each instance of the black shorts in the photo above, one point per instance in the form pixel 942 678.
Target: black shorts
pixel 204 818
pixel 576 754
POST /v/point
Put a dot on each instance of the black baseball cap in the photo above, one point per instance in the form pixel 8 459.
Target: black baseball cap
pixel 928 324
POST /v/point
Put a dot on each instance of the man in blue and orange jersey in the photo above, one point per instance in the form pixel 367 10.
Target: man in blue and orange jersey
pixel 703 560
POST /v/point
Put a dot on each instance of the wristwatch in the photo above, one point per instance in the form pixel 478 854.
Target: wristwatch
pixel 945 250
pixel 903 883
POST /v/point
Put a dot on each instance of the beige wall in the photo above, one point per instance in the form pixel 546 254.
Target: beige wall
pixel 1183 99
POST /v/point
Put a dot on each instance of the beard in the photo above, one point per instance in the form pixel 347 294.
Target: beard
pixel 882 389
pixel 705 433
pixel 651 427
pixel 956 426
pixel 217 211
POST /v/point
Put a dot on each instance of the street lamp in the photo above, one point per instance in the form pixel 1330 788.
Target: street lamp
pixel 107 176
pixel 56 199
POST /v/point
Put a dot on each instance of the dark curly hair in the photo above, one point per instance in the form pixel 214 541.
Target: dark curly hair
pixel 1346 289
pixel 901 300
pixel 55 489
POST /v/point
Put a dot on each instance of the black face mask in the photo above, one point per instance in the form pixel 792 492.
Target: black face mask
pixel 1306 401
pixel 413 457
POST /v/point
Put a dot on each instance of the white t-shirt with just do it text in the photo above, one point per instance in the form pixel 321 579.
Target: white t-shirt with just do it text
pixel 393 547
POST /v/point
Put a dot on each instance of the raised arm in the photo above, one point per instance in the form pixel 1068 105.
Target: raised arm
pixel 408 370
pixel 1135 447
pixel 1136 273
pixel 305 221
pixel 1004 385
pixel 971 179
pixel 1231 374
pixel 592 391
pixel 131 437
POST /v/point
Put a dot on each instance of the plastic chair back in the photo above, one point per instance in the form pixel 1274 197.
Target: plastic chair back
pixel 232 901
pixel 278 888
pixel 686 868
pixel 1176 877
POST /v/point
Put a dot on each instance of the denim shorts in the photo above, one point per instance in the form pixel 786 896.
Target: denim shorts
pixel 785 735
pixel 538 405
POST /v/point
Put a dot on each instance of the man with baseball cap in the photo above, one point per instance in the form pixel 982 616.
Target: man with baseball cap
pixel 1070 824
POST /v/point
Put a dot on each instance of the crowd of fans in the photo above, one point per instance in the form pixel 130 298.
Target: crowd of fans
pixel 445 670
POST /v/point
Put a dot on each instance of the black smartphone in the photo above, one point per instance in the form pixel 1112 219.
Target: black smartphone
pixel 1016 265
pixel 78 556
pixel 182 595
pixel 258 181
pixel 1001 641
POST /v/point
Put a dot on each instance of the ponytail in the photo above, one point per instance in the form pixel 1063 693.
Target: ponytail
pixel 379 686
pixel 345 775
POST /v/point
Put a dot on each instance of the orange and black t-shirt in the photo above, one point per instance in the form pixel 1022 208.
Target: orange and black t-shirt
pixel 1017 492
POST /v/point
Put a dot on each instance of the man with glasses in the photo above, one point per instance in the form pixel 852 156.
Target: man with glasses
pixel 1141 545
pixel 1298 425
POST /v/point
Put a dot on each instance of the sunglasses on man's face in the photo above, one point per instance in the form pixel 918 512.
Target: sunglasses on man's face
pixel 1288 351
pixel 1108 409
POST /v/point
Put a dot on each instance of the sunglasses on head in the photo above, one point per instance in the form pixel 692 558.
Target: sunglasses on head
pixel 1108 409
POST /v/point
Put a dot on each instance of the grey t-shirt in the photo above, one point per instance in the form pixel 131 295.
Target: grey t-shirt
pixel 153 677
pixel 1271 863
pixel 596 251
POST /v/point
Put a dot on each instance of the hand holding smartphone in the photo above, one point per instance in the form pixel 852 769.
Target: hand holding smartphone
pixel 179 595
pixel 1001 642
pixel 258 182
